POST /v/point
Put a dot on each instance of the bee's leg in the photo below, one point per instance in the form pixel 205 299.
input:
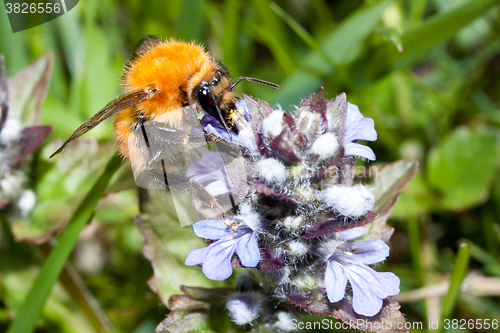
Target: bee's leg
pixel 162 142
pixel 158 134
pixel 160 137
pixel 186 186
pixel 227 148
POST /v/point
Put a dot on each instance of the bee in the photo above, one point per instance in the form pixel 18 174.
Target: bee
pixel 164 83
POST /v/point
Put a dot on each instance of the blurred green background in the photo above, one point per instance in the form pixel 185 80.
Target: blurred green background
pixel 427 72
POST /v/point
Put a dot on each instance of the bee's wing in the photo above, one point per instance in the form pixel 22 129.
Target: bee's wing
pixel 119 104
pixel 146 43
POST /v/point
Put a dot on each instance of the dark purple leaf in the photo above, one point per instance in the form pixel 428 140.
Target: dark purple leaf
pixel 288 121
pixel 388 320
pixel 334 161
pixel 4 202
pixel 259 140
pixel 29 86
pixel 204 294
pixel 346 170
pixel 317 103
pixel 337 110
pixel 266 190
pixel 4 92
pixel 336 225
pixel 4 112
pixel 258 111
pixel 31 139
pixel 270 260
pixel 284 146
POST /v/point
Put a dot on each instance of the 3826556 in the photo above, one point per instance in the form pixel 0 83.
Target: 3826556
pixel 27 8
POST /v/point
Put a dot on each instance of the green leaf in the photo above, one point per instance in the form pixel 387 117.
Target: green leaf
pixel 198 310
pixel 40 290
pixel 388 185
pixel 419 39
pixel 60 187
pixel 462 167
pixel 167 245
pixel 345 43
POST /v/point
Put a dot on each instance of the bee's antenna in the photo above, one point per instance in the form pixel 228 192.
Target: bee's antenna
pixel 246 78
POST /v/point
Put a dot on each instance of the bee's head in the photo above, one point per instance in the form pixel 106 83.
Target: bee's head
pixel 216 96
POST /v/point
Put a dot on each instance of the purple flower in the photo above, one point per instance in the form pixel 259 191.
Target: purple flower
pixel 349 262
pixel 214 127
pixel 358 127
pixel 211 171
pixel 245 136
pixel 236 234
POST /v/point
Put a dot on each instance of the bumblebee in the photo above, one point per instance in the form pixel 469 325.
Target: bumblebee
pixel 162 83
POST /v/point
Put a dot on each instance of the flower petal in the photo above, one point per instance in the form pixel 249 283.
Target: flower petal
pixel 248 250
pixel 212 229
pixel 352 233
pixel 196 257
pixel 357 126
pixel 327 249
pixel 370 252
pixel 335 281
pixel 218 187
pixel 217 264
pixel 208 168
pixel 370 288
pixel 351 148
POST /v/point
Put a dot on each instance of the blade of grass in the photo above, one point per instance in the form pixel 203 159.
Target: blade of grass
pixel 417 10
pixel 489 232
pixel 457 276
pixel 302 33
pixel 323 16
pixel 484 257
pixel 81 296
pixel 270 32
pixel 231 25
pixel 32 306
pixel 416 248
pixel 296 27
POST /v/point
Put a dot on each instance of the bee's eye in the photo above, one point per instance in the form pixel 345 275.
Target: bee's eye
pixel 205 98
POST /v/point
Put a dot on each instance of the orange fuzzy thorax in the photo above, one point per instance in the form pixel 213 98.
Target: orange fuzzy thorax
pixel 169 66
